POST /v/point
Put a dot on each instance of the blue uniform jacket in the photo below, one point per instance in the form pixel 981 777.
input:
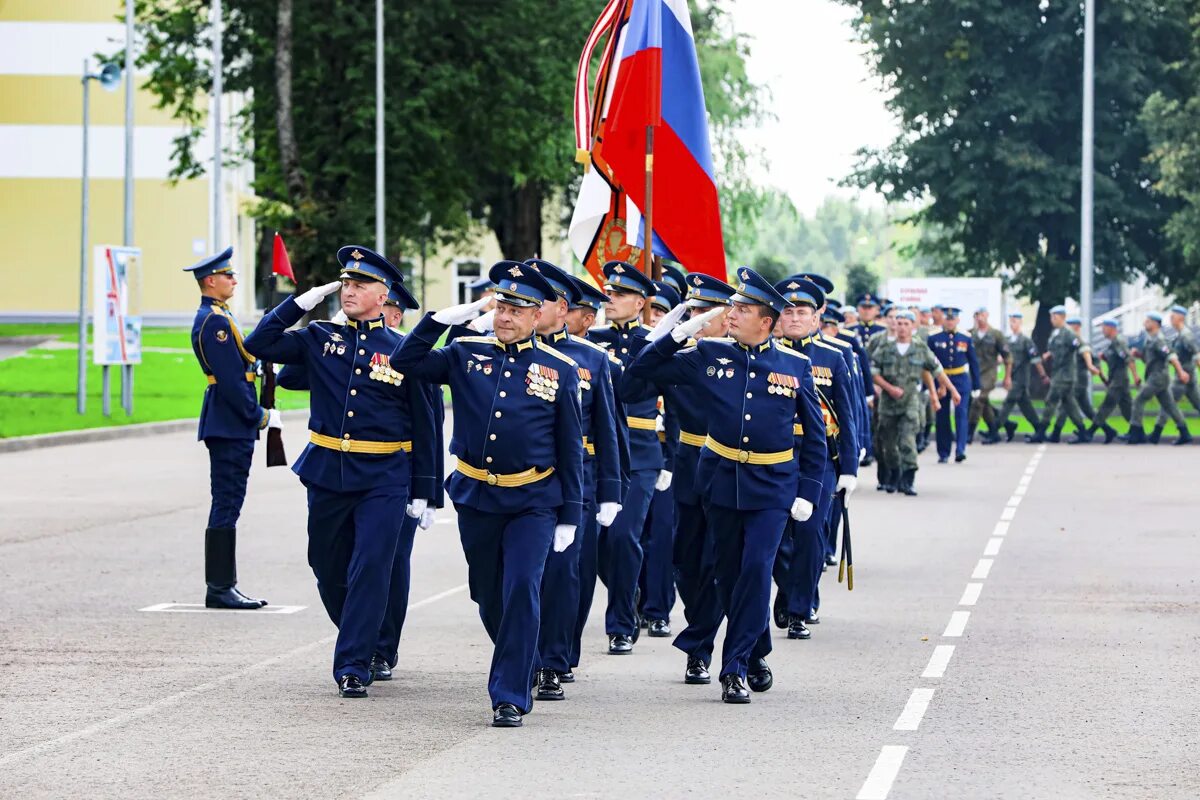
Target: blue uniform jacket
pixel 753 398
pixel 501 424
pixel 864 332
pixel 357 396
pixel 230 409
pixel 955 351
pixel 836 390
pixel 625 341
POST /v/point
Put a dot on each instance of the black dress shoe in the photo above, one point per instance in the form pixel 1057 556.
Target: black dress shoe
pixel 1184 438
pixel 830 561
pixel 960 457
pixel 797 629
pixel 697 671
pixel 733 690
pixel 548 686
pixel 351 686
pixel 381 670
pixel 1010 430
pixel 566 677
pixel 659 629
pixel 1035 438
pixel 812 619
pixel 229 597
pixel 620 645
pixel 866 461
pixel 779 611
pixel 506 715
pixel 759 676
pixel 251 599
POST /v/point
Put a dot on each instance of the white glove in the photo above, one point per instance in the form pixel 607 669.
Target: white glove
pixel 660 426
pixel 339 318
pixel 426 520
pixel 483 324
pixel 847 484
pixel 669 321
pixel 862 453
pixel 663 482
pixel 801 509
pixel 457 315
pixel 563 536
pixel 273 419
pixel 309 300
pixel 417 507
pixel 607 513
pixel 974 393
pixel 686 330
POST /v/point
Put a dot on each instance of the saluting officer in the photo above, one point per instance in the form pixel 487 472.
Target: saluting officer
pixel 601 480
pixel 762 459
pixel 357 466
pixel 230 419
pixel 518 484
pixel 956 352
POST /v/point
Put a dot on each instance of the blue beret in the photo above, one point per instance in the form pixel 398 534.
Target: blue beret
pixel 797 290
pixel 559 280
pixel 674 277
pixel 1154 315
pixel 480 284
pixel 625 277
pixel 213 265
pixel 937 307
pixel 1179 310
pixel 705 290
pixel 364 264
pixel 589 296
pixel 519 284
pixel 885 308
pixel 754 288
pixel 908 315
pixel 665 296
pixel 981 310
pixel 832 315
pixel 1017 314
pixel 867 299
pixel 1059 310
pixel 1074 321
pixel 1109 322
pixel 401 297
pixel 820 280
pixel 923 309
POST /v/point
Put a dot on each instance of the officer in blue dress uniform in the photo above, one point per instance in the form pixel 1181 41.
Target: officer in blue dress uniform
pixel 357 466
pixel 230 419
pixel 956 352
pixel 763 456
pixel 602 487
pixel 518 484
pixel 628 291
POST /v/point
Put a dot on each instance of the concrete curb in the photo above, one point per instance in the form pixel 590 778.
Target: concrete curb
pixel 18 444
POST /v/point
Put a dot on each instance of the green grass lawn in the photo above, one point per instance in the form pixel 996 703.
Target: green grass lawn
pixel 151 337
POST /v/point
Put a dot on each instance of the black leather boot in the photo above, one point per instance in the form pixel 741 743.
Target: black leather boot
pixel 1155 434
pixel 1137 435
pixel 220 572
pixel 906 482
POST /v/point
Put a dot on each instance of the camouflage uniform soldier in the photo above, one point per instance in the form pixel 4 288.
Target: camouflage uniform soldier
pixel 1063 345
pixel 899 367
pixel 1120 363
pixel 990 348
pixel 1085 368
pixel 1158 354
pixel 1023 356
pixel 1184 347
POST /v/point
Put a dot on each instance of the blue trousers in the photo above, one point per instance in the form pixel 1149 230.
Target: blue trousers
pixel 695 565
pixel 832 525
pixel 621 553
pixel 745 544
pixel 397 603
pixel 588 542
pixel 228 470
pixel 563 607
pixel 506 556
pixel 352 540
pixel 657 580
pixel 808 551
pixel 867 434
pixel 959 435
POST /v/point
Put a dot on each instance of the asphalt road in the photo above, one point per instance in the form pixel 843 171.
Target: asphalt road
pixel 1073 674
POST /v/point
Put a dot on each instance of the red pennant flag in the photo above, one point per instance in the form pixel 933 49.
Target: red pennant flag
pixel 280 263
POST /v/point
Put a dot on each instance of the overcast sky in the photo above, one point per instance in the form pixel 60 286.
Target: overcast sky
pixel 825 100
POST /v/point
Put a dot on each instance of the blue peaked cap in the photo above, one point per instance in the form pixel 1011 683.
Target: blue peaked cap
pixel 832 315
pixel 675 278
pixel 364 264
pixel 213 265
pixel 559 280
pixel 401 297
pixel 705 290
pixel 625 277
pixel 798 290
pixel 519 284
pixel 665 296
pixel 589 296
pixel 754 288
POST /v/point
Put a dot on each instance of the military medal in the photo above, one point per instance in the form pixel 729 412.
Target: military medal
pixel 585 379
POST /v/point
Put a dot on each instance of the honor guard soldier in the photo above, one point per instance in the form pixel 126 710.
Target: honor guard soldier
pixel 956 352
pixel 518 484
pixel 628 291
pixel 230 419
pixel 1121 367
pixel 1061 349
pixel 762 459
pixel 1185 348
pixel 602 487
pixel 357 466
pixel 1023 357
pixel 1157 355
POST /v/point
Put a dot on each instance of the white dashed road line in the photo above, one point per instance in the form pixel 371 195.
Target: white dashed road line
pixel 887 767
pixel 914 710
pixel 938 662
pixel 982 569
pixel 957 623
pixel 971 594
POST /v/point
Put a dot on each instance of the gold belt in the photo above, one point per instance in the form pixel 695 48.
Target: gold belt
pixel 642 423
pixel 746 456
pixel 212 379
pixel 956 370
pixel 358 446
pixel 511 480
pixel 694 439
pixel 589 447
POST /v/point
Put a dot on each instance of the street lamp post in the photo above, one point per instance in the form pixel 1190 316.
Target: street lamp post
pixel 380 228
pixel 1086 256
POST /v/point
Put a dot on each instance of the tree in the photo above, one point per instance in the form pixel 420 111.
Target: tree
pixel 988 95
pixel 860 280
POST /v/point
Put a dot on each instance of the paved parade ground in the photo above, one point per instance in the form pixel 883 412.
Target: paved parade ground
pixel 1027 627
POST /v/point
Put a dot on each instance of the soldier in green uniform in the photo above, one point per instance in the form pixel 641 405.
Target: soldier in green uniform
pixel 1158 355
pixel 1085 368
pixel 900 366
pixel 1063 345
pixel 1023 358
pixel 1121 366
pixel 991 349
pixel 1184 347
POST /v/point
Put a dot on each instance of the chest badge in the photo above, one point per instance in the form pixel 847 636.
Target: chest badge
pixel 381 370
pixel 541 382
pixel 784 385
pixel 585 379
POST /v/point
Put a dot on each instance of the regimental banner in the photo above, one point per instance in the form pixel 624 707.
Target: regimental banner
pixel 116 305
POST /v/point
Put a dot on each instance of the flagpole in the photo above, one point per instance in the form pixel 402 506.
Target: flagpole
pixel 648 217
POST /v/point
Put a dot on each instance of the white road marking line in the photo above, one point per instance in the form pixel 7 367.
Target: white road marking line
pixel 914 710
pixel 146 710
pixel 993 547
pixel 1041 449
pixel 982 568
pixel 971 594
pixel 887 767
pixel 936 667
pixel 199 608
pixel 1008 513
pixel 1020 490
pixel 1014 501
pixel 1001 529
pixel 1026 479
pixel 957 624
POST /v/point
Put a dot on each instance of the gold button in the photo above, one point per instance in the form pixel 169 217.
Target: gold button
pixel 492 479
pixel 488 459
pixel 362 352
pixel 353 392
pixel 504 394
pixel 362 336
pixel 346 445
pixel 497 415
pixel 492 436
pixel 743 456
pixel 747 416
pixel 357 371
pixel 745 438
pixel 351 414
pixel 346 436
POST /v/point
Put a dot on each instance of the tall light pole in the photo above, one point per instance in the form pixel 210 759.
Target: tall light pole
pixel 130 88
pixel 1085 216
pixel 217 58
pixel 380 239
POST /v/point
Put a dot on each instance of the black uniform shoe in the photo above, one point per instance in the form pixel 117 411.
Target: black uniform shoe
pixel 759 676
pixel 220 572
pixel 566 677
pixel 381 670
pixel 922 442
pixel 943 459
pixel 1155 435
pixel 812 619
pixel 1082 437
pixel 1110 433
pixel 696 672
pixel 506 715
pixel 1010 430
pixel 960 457
pixel 659 629
pixel 351 686
pixel 906 482
pixel 246 597
pixel 1136 436
pixel 228 597
pixel 866 461
pixel 620 645
pixel 548 686
pixel 797 630
pixel 1185 437
pixel 779 611
pixel 1055 436
pixel 733 690
pixel 1038 437
pixel 991 437
pixel 830 561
